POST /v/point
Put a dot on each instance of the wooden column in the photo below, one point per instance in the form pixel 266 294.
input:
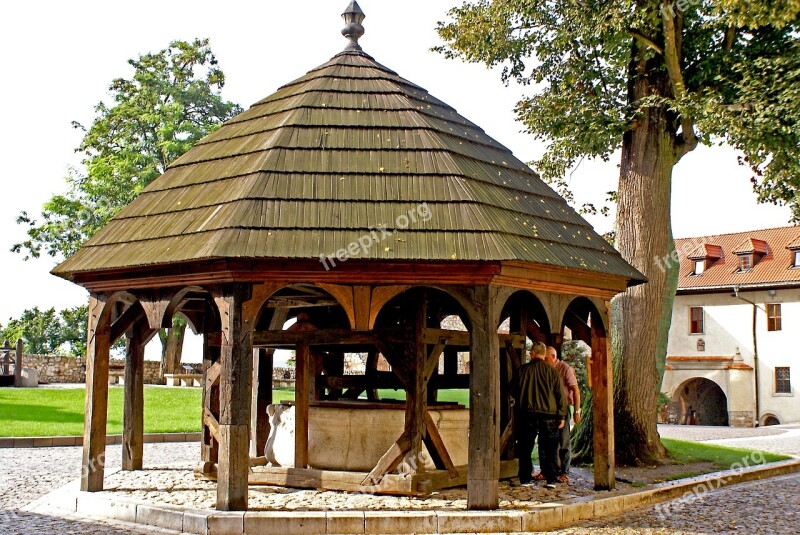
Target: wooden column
pixel 602 406
pixel 416 393
pixel 98 346
pixel 262 389
pixel 133 410
pixel 210 412
pixel 484 404
pixel 302 387
pixel 18 364
pixel 236 355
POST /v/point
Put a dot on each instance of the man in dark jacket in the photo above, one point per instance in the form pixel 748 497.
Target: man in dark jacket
pixel 541 407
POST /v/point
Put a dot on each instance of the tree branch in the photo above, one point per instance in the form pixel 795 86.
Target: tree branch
pixel 730 37
pixel 673 64
pixel 645 40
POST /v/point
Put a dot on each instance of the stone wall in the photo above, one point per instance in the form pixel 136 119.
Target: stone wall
pixel 63 369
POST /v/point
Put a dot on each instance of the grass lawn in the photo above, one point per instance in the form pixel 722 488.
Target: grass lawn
pixel 37 412
pixel 723 457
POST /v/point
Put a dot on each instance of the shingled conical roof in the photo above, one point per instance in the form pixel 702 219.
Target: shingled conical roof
pixel 348 148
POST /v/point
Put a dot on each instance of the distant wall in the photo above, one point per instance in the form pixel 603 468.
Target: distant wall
pixel 63 369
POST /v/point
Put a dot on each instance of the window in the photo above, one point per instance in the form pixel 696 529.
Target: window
pixel 745 262
pixel 699 267
pixel 695 320
pixel 783 384
pixel 773 316
pixel 796 259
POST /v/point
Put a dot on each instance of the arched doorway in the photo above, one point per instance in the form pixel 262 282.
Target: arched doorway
pixel 700 401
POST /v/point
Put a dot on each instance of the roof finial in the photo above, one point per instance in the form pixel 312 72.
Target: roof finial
pixel 353 16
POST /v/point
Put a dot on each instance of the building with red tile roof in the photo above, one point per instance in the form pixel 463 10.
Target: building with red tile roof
pixel 732 356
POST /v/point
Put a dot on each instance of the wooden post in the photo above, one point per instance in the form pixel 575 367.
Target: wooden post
pixel 262 388
pixel 18 364
pixel 416 393
pixel 484 404
pixel 98 346
pixel 603 406
pixel 133 410
pixel 236 356
pixel 301 392
pixel 211 370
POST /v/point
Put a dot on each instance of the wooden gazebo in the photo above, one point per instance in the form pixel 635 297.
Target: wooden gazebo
pixel 356 203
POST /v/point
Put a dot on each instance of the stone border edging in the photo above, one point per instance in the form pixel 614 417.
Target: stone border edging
pixel 51 442
pixel 548 516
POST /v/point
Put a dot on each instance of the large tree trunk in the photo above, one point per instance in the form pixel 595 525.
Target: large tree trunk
pixel 640 323
pixel 641 316
pixel 172 345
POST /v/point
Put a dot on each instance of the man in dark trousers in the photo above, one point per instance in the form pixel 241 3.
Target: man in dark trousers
pixel 541 407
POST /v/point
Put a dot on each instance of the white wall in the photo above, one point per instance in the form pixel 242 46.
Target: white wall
pixel 728 328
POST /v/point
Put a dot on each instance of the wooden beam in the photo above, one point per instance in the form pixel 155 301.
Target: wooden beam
pixel 133 408
pixel 362 298
pixel 236 357
pixel 416 388
pixel 212 374
pixel 128 318
pixel 389 460
pixel 436 448
pixel 603 408
pixel 212 368
pixel 484 398
pixel 325 337
pixel 301 392
pixel 98 347
pixel 211 422
pixel 508 432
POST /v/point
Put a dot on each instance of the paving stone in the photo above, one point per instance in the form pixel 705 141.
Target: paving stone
pixel 393 522
pixel 479 521
pixel 307 523
pixel 345 522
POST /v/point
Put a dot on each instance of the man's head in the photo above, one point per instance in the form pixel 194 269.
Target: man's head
pixel 550 355
pixel 538 350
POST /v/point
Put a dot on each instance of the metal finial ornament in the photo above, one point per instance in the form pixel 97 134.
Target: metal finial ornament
pixel 353 16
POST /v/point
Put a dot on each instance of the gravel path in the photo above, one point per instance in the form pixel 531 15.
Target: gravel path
pixel 29 473
pixel 770 506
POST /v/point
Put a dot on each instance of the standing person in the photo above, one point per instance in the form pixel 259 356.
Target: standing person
pixel 541 407
pixel 570 384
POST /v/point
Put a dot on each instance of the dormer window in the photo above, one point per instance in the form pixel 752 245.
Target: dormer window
pixel 750 252
pixel 794 248
pixel 704 256
pixel 745 262
pixel 699 267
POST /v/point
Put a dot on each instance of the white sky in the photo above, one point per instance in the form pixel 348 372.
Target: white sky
pixel 59 58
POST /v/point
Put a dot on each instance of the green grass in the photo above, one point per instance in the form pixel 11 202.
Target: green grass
pixel 38 412
pixel 723 457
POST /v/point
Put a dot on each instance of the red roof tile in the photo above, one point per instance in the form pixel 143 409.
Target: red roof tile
pixel 751 245
pixel 706 250
pixel 775 268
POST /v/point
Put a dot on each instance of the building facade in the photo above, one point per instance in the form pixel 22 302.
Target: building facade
pixel 733 356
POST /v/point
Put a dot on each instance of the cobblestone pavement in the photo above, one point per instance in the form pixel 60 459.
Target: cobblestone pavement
pixel 771 506
pixel 775 438
pixel 29 473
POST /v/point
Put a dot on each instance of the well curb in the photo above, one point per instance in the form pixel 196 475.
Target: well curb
pixel 544 517
pixel 55 442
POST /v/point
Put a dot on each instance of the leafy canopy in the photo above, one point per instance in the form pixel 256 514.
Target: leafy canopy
pixel 172 100
pixel 47 332
pixel 733 67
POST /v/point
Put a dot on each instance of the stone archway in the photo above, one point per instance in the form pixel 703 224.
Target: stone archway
pixel 700 401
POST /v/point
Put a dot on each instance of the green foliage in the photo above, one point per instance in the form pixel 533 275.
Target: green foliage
pixel 48 332
pixel 684 452
pixel 574 353
pixel 171 101
pixel 733 66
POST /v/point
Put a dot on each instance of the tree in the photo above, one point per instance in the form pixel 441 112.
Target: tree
pixel 171 102
pixel 653 80
pixel 47 332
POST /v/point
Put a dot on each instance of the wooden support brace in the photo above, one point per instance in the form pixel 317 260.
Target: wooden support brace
pixel 389 460
pixel 436 448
